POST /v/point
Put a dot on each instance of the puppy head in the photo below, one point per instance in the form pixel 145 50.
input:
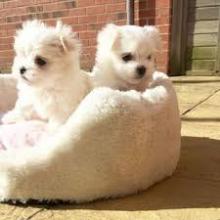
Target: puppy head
pixel 129 51
pixel 44 53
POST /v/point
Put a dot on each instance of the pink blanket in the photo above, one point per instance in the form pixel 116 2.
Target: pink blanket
pixel 23 134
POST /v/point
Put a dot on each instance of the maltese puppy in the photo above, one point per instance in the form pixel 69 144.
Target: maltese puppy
pixel 125 57
pixel 46 65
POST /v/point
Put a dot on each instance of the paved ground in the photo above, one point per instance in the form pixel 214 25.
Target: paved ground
pixel 193 193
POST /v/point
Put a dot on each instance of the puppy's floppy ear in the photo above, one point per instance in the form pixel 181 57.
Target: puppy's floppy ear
pixel 109 37
pixel 67 40
pixel 153 33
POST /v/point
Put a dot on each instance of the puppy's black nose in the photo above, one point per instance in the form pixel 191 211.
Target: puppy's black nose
pixel 22 70
pixel 141 71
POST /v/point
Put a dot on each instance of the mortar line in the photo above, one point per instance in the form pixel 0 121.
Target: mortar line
pixel 200 102
pixel 34 214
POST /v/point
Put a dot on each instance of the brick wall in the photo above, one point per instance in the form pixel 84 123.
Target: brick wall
pixel 157 12
pixel 86 17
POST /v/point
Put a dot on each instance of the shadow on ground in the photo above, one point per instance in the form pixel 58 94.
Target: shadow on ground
pixel 195 184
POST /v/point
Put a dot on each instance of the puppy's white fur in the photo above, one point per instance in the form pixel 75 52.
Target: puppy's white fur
pixel 52 90
pixel 116 42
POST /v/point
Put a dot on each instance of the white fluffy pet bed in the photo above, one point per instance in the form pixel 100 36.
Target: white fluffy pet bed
pixel 115 143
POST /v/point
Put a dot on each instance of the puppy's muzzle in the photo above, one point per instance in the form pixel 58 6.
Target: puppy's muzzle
pixel 141 70
pixel 22 70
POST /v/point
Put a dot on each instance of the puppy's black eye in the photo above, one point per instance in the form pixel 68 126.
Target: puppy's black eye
pixel 149 57
pixel 40 61
pixel 127 57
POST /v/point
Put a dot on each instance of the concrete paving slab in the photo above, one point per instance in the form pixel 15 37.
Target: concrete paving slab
pixel 195 79
pixel 190 94
pixel 201 129
pixel 180 214
pixel 12 212
pixel 207 111
pixel 204 120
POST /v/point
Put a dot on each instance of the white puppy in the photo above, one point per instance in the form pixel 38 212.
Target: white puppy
pixel 125 56
pixel 46 65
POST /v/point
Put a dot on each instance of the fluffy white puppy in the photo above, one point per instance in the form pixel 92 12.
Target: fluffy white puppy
pixel 46 65
pixel 125 56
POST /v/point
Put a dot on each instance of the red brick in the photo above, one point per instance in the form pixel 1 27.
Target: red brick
pixel 7 40
pixel 162 20
pixel 6 47
pixel 102 2
pixel 3 33
pixel 121 22
pixel 92 41
pixel 70 20
pixel 163 12
pixel 95 10
pixel 85 42
pixel 163 3
pixel 88 19
pixel 77 12
pixel 165 37
pixel 95 26
pixel 87 34
pixel 54 7
pixel 106 18
pixel 164 28
pixel 79 27
pixel 6 53
pixel 85 3
pixel 115 8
